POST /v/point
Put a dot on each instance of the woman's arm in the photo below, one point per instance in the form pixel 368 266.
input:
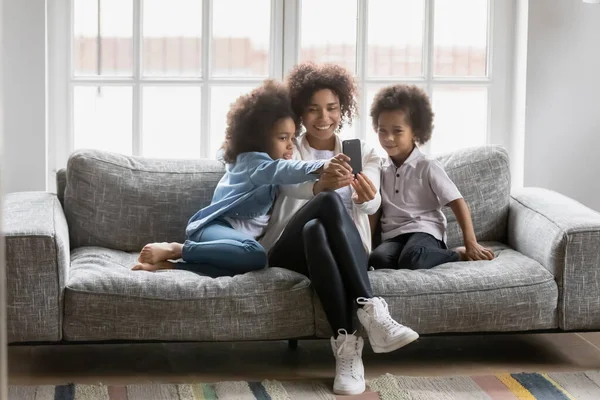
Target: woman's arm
pixel 371 171
pixel 302 191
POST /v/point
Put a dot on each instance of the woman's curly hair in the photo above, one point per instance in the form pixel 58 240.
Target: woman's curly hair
pixel 411 100
pixel 307 78
pixel 252 117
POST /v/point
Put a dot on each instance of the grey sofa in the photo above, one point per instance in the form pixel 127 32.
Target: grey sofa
pixel 69 259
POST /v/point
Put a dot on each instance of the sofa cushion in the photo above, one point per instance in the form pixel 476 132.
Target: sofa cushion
pixel 510 293
pixel 105 299
pixel 124 202
pixel 482 175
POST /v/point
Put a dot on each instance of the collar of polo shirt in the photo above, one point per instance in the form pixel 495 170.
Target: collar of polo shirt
pixel 411 160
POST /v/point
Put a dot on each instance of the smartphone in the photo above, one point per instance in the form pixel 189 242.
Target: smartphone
pixel 352 148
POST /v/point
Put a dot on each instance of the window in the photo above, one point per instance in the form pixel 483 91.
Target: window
pixel 443 46
pixel 156 78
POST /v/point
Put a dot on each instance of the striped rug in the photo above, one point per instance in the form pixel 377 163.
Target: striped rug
pixel 523 386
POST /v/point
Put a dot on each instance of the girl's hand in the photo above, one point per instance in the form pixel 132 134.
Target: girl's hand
pixel 336 173
pixel 337 166
pixel 364 190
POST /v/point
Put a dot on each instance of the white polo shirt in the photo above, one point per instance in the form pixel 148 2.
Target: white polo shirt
pixel 412 197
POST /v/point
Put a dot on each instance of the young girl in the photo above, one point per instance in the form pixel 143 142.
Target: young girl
pixel 221 238
pixel 414 188
pixel 321 229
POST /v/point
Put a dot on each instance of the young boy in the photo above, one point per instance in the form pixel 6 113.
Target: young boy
pixel 414 188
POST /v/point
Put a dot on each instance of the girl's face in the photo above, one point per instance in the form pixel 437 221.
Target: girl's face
pixel 282 135
pixel 395 135
pixel 322 116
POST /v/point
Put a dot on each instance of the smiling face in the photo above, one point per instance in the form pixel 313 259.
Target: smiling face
pixel 395 135
pixel 322 116
pixel 282 135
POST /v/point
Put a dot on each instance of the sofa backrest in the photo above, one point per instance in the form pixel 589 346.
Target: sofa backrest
pixel 123 202
pixel 482 175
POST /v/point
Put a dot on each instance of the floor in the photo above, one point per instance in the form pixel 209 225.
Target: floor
pixel 209 362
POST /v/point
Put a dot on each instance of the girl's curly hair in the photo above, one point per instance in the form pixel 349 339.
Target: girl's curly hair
pixel 307 78
pixel 252 117
pixel 413 102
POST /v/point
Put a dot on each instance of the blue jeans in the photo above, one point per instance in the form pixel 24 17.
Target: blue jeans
pixel 219 250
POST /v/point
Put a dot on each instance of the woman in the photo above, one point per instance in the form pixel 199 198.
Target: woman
pixel 322 229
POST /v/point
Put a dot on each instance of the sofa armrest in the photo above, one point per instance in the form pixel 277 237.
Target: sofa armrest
pixel 37 262
pixel 564 236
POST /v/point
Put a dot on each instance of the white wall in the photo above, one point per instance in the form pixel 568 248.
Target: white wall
pixel 562 123
pixel 3 348
pixel 23 25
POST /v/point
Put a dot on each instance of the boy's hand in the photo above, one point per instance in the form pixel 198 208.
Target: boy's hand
pixel 364 190
pixel 476 252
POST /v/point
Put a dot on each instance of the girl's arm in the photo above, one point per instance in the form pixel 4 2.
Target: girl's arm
pixel 473 250
pixel 265 171
pixel 262 170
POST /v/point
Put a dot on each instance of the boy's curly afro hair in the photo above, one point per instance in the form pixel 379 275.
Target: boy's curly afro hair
pixel 307 78
pixel 411 100
pixel 252 117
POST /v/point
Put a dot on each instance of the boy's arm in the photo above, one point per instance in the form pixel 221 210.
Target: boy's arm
pixel 473 250
pixel 448 194
pixel 375 224
pixel 463 216
pixel 374 221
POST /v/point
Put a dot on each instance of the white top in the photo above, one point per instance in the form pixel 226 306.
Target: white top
pixel 292 197
pixel 413 195
pixel 345 192
pixel 253 227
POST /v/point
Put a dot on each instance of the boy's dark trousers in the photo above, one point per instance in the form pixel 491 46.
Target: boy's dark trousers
pixel 411 251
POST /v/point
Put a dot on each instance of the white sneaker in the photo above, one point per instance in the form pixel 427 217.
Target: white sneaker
pixel 349 369
pixel 385 334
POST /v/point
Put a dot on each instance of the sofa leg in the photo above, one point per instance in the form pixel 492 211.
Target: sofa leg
pixel 293 344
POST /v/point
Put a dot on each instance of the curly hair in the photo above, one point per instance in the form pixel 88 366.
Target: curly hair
pixel 252 116
pixel 307 78
pixel 411 100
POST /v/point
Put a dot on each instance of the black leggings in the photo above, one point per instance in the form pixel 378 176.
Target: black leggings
pixel 321 241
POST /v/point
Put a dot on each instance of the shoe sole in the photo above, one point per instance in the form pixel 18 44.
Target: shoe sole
pixel 395 346
pixel 349 392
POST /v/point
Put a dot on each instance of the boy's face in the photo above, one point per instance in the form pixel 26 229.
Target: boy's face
pixel 282 135
pixel 395 134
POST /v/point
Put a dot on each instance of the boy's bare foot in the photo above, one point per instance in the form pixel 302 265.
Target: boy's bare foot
pixel 153 267
pixel 462 253
pixel 156 252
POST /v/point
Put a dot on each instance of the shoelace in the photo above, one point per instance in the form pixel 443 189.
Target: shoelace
pixel 387 322
pixel 347 363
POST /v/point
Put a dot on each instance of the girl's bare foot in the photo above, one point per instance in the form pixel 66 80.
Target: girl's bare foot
pixel 153 267
pixel 156 252
pixel 462 253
